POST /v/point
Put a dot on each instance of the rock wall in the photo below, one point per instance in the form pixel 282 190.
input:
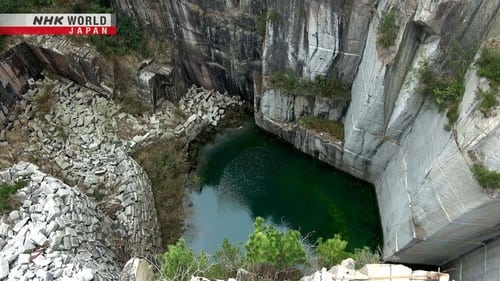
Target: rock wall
pixel 394 137
pixel 217 44
pixel 480 264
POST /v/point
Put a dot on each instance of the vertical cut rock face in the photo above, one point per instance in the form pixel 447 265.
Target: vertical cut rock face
pixel 432 208
pixel 217 44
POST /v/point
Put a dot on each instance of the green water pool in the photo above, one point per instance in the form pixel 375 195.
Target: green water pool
pixel 247 173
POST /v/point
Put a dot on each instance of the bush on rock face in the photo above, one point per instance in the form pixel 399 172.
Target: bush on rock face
pixel 485 177
pixel 387 29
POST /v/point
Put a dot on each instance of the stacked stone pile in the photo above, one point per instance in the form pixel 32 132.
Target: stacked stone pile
pixel 204 107
pixel 80 135
pixel 56 233
pixel 85 139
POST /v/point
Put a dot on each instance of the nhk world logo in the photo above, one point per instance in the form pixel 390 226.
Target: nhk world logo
pixel 61 24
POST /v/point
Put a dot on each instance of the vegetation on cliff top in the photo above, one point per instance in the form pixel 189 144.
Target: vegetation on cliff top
pixel 291 84
pixel 270 255
pixel 333 128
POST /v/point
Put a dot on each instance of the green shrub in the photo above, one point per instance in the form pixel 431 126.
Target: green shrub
pixel 228 259
pixel 273 16
pixel 365 256
pixel 332 251
pixel 489 65
pixel 179 263
pixel 268 246
pixel 270 255
pixel 7 202
pixel 129 39
pixel 16 6
pixel 445 91
pixel 488 100
pixel 387 29
pixel 291 84
pixel 485 177
pixel 261 24
pixel 333 128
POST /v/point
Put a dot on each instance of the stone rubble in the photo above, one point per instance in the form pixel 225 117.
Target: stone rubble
pixel 87 141
pixel 346 271
pixel 56 234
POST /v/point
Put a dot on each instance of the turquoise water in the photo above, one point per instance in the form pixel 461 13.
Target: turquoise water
pixel 247 173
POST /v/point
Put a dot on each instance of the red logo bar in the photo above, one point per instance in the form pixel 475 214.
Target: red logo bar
pixel 58 30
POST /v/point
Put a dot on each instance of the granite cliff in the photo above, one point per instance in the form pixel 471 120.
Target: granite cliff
pixel 432 207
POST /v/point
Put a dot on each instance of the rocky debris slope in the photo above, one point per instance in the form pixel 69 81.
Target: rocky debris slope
pixel 83 137
pixel 57 233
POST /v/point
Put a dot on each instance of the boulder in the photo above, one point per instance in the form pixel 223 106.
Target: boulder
pixel 136 269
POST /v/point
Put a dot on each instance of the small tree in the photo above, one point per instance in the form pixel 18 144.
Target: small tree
pixel 180 263
pixel 387 29
pixel 332 251
pixel 267 245
pixel 228 259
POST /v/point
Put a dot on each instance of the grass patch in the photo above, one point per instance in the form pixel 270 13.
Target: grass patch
pixel 485 177
pixel 165 164
pixel 132 105
pixel 289 82
pixel 387 30
pixel 7 200
pixel 489 66
pixel 333 128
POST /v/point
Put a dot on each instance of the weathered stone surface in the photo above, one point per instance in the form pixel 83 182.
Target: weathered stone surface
pixel 394 138
pixel 387 272
pixel 231 50
pixel 136 270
